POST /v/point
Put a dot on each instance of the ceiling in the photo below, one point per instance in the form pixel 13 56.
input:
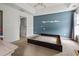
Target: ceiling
pixel 47 5
pixel 46 8
pixel 43 8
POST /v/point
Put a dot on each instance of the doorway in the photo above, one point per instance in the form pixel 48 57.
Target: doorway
pixel 23 26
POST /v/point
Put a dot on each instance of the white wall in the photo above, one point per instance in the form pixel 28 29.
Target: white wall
pixel 30 26
pixel 11 23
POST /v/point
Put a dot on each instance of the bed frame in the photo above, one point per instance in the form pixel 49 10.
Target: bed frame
pixel 57 46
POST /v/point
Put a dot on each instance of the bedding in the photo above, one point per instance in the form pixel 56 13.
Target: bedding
pixel 49 41
pixel 45 39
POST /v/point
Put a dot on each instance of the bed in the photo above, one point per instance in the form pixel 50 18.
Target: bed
pixel 46 40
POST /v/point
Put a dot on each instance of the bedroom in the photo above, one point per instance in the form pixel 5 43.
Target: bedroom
pixel 49 29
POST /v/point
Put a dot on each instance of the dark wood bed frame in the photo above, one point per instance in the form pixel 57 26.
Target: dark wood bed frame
pixel 57 46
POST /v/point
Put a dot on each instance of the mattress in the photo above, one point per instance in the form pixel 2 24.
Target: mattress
pixel 46 39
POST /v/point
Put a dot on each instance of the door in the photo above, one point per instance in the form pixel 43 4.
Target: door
pixel 23 27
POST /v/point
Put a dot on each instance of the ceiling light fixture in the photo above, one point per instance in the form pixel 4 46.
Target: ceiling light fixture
pixel 40 4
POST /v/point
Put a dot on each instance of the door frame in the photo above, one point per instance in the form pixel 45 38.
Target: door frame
pixel 25 23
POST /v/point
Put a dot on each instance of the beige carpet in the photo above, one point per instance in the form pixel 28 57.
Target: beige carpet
pixel 26 49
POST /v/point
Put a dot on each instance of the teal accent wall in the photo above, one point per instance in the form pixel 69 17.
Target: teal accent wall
pixel 58 24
